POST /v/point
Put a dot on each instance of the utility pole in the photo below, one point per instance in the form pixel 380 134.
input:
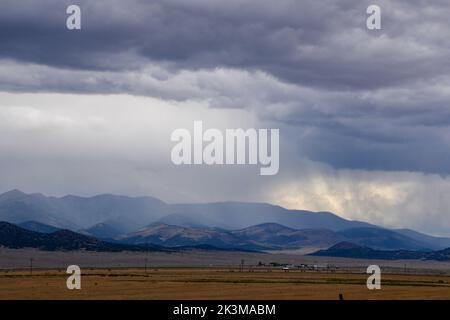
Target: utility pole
pixel 146 259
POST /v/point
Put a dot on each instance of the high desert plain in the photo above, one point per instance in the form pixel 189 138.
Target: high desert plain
pixel 201 274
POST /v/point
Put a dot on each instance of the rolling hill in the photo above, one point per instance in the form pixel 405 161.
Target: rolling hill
pixel 237 215
pixel 176 236
pixel 12 236
pixel 351 250
pixel 103 230
pixel 431 241
pixel 276 236
pixel 38 227
pixel 379 238
pixel 267 236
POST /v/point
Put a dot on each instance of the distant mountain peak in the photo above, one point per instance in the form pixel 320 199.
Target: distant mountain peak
pixel 271 226
pixel 345 245
pixel 103 230
pixel 13 194
pixel 38 227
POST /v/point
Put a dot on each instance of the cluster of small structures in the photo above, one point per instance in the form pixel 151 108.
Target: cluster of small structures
pixel 286 267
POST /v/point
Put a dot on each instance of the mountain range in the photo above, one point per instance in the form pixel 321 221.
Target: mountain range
pixel 262 237
pixel 271 236
pixel 252 226
pixel 351 250
pixel 128 214
pixel 13 236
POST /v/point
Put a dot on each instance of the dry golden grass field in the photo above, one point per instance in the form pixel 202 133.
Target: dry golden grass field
pixel 218 283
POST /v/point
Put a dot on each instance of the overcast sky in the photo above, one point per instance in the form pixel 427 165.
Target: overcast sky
pixel 363 115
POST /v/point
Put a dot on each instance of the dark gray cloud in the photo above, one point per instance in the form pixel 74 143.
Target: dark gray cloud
pixel 343 95
pixel 312 43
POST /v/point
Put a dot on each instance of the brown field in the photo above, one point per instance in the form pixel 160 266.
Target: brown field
pixel 212 283
pixel 213 275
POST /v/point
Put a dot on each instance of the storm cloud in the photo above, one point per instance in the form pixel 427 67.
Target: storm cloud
pixel 352 104
pixel 312 43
